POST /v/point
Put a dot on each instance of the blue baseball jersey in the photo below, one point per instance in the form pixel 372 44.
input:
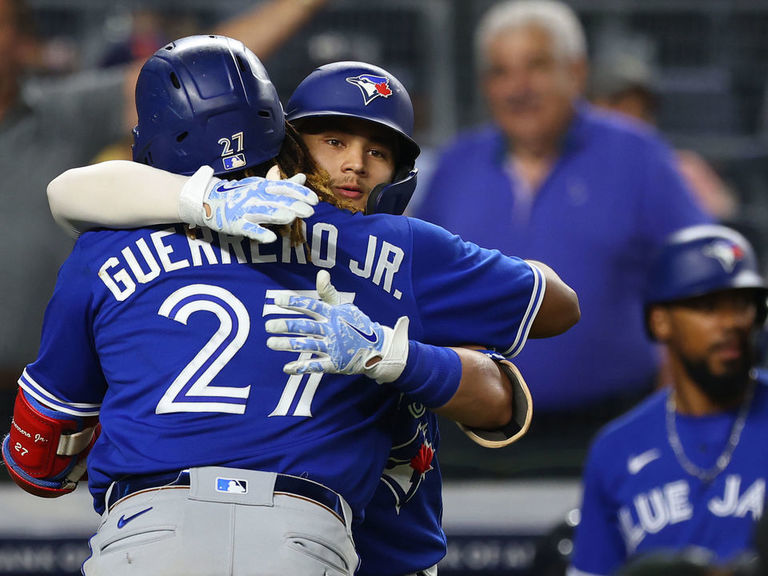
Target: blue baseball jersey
pixel 160 331
pixel 638 498
pixel 402 532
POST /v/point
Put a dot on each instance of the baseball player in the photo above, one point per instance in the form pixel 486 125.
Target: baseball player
pixel 138 309
pixel 335 108
pixel 687 467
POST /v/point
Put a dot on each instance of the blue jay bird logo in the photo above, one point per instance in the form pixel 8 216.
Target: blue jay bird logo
pixel 371 86
pixel 727 254
pixel 408 464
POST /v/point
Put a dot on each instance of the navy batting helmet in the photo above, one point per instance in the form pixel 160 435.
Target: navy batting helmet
pixel 206 100
pixel 360 90
pixel 703 259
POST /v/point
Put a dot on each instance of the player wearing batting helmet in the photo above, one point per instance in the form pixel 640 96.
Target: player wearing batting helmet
pixel 686 467
pixel 332 108
pixel 359 107
pixel 349 97
pixel 203 415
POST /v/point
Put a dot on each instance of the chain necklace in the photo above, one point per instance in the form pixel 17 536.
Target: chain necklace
pixel 724 459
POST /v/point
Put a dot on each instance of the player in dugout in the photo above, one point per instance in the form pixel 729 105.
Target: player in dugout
pixel 686 468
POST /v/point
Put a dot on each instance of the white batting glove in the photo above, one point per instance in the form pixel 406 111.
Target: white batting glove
pixel 342 339
pixel 240 207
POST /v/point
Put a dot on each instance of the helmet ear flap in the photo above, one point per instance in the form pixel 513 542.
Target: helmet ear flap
pixel 393 198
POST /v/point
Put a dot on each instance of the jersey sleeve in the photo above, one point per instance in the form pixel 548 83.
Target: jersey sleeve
pixel 598 545
pixel 114 194
pixel 66 376
pixel 468 295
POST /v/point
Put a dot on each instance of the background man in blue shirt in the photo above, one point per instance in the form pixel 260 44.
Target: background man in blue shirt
pixel 551 178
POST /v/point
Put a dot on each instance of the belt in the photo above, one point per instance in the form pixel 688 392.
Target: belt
pixel 284 484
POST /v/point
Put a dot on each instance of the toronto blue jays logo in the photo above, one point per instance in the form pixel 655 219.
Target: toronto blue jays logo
pixel 726 253
pixel 409 461
pixel 371 86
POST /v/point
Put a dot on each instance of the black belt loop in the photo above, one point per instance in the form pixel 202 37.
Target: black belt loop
pixel 284 484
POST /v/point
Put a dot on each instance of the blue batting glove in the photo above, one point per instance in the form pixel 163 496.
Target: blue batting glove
pixel 342 339
pixel 242 207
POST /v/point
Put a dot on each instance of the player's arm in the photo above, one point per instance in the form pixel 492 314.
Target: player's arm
pixel 483 373
pixel 114 194
pixel 267 26
pixel 46 450
pixel 559 308
pixel 462 384
pixel 124 194
pixel 483 397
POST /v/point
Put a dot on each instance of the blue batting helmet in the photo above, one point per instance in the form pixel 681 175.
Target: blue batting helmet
pixel 360 90
pixel 703 259
pixel 206 100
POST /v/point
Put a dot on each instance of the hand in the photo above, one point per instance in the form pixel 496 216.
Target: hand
pixel 241 207
pixel 341 337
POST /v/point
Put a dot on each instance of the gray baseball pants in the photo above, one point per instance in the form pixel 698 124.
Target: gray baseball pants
pixel 225 522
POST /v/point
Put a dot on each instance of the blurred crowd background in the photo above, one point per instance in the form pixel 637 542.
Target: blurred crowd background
pixel 697 69
pixel 704 62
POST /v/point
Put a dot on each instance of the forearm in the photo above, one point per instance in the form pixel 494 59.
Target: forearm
pixel 484 396
pixel 269 25
pixel 114 194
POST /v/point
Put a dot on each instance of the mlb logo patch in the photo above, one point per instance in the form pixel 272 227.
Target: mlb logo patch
pixel 231 486
pixel 233 162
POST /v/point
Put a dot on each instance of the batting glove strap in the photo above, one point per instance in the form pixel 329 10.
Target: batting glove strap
pixel 193 195
pixel 394 353
pixel 431 376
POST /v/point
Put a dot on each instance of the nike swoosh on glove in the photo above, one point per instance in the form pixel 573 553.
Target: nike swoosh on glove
pixel 341 338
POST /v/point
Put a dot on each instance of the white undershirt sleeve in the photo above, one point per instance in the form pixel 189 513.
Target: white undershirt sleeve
pixel 114 194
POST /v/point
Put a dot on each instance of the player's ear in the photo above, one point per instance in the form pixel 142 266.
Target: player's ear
pixel 659 323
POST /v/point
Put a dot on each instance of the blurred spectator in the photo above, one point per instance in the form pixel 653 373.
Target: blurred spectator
pixel 552 179
pixel 146 35
pixel 687 468
pixel 624 83
pixel 627 84
pixel 49 126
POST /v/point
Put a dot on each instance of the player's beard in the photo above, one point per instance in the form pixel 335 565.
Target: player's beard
pixel 724 389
